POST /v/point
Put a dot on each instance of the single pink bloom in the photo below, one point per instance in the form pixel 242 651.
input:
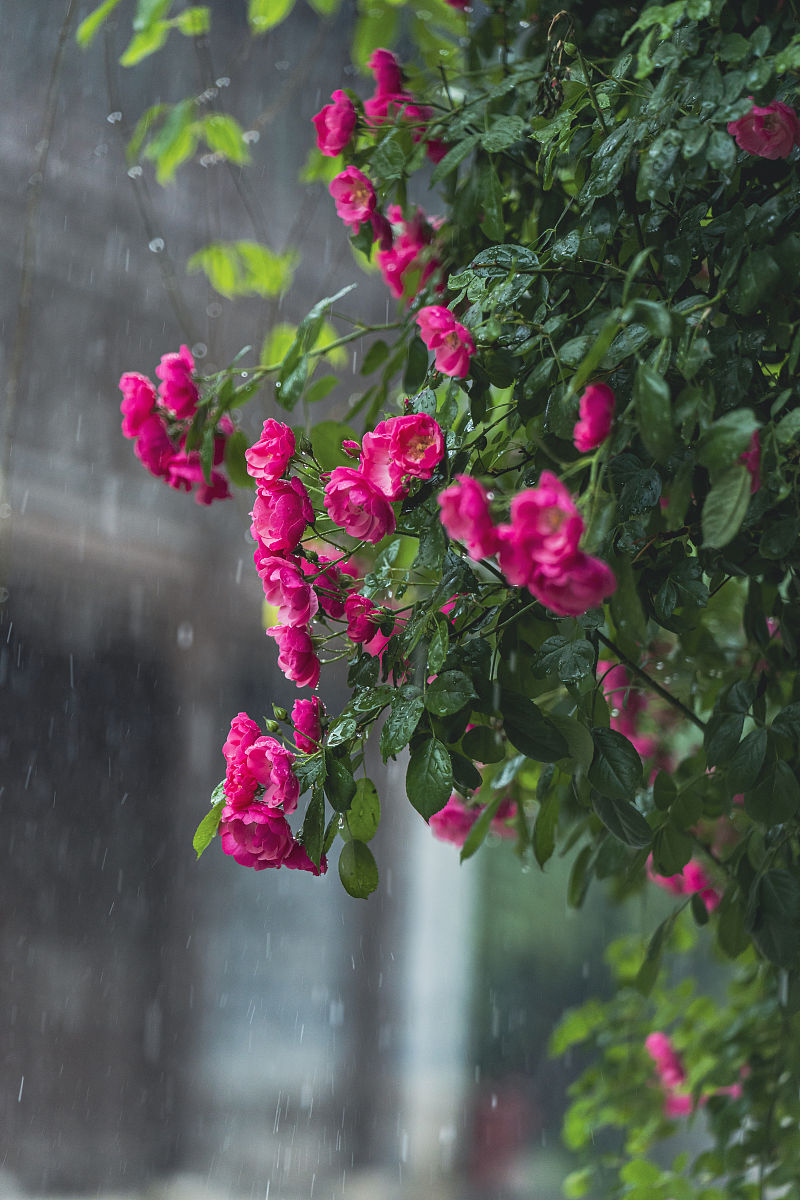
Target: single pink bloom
pixel 285 586
pixel 243 732
pixel 466 517
pixel 296 657
pixel 306 718
pixel 378 464
pixel 751 457
pixel 271 764
pixel 693 879
pixel 185 472
pixel 138 402
pixel 363 618
pixel 461 5
pixel 177 389
pixel 281 512
pixel 357 506
pixel 153 447
pixel 596 415
pixel 387 71
pixel 267 458
pixel 436 149
pixel 545 528
pixel 678 1104
pixel 216 489
pixel 572 587
pixel 452 343
pixel 335 124
pixel 410 445
pixel 354 196
pixel 255 836
pixel 410 252
pixel 453 822
pixel 767 132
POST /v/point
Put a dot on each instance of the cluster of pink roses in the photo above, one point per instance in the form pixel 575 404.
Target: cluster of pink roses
pixel 671 1074
pixel 260 788
pixel 768 132
pixel 454 822
pixel 159 422
pixel 537 548
pixel 359 501
pixel 405 256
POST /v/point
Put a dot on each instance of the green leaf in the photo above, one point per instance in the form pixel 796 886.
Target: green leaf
pixel 729 436
pixel 194 22
pixel 429 778
pixel 745 765
pixel 759 275
pixel 491 195
pixel 545 827
pixel 567 659
pixel 438 645
pixel 207 829
pixel 264 15
pixel 326 442
pixel 777 798
pixel 776 925
pixel 477 834
pixel 483 744
pixel 358 870
pixel 672 850
pixel 722 736
pixel 654 407
pixel 225 135
pixel 455 155
pixel 340 786
pixel 142 45
pixel 448 693
pixel 364 814
pixel 579 741
pixel 725 507
pixel 624 821
pixel 175 141
pixel 616 769
pixel 664 790
pixel 401 722
pixel 314 827
pixel 530 732
pixel 648 972
pixel 502 133
pixel 235 461
pixel 148 12
pixel 89 26
pixel 388 160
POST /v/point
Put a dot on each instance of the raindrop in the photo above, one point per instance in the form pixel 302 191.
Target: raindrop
pixel 112 118
pixel 213 309
pixel 243 374
pixel 3 594
pixel 223 81
pixel 5 511
pixel 199 349
pixel 157 244
pixel 185 635
pixel 135 172
pixel 283 65
pixel 250 135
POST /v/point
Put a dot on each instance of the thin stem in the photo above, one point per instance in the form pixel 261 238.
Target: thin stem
pixel 651 683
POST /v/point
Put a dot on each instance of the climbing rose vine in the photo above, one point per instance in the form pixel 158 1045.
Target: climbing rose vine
pixel 562 559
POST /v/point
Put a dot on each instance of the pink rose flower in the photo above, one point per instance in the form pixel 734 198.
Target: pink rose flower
pixel 667 1063
pixel 693 879
pixel 596 415
pixel 354 196
pixel 387 71
pixel 296 657
pixel 466 517
pixel 767 132
pixel 255 836
pixel 452 343
pixel 152 446
pixel 410 445
pixel 363 618
pixel 185 472
pixel 306 718
pixel 138 402
pixel 281 512
pixel 357 506
pixel 409 262
pixel 240 784
pixel 216 489
pixel 335 124
pixel 545 528
pixel 751 457
pixel 453 822
pixel 285 586
pixel 572 587
pixel 268 457
pixel 243 732
pixel 177 389
pixel 271 764
pixel 678 1104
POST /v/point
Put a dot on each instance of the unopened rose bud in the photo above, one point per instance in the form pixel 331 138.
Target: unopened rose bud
pixel 280 713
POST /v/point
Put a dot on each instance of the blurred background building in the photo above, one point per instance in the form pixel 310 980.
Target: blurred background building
pixel 165 1024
